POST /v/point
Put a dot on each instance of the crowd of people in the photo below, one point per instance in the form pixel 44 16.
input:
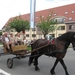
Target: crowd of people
pixel 12 40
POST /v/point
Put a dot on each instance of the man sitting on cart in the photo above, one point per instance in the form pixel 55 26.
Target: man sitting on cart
pixel 6 41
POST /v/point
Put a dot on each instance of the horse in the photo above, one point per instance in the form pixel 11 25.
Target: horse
pixel 57 50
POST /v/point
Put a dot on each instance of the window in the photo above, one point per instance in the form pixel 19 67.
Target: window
pixel 59 20
pixel 64 19
pixel 33 35
pixel 27 35
pixel 61 28
pixel 49 15
pixel 54 14
pixel 42 16
pixel 73 11
pixel 33 29
pixel 66 12
pixel 27 30
pixel 71 27
pixel 12 30
pixel 40 36
pixel 53 35
pixel 55 20
pixel 70 18
pixel 3 30
pixel 38 29
pixel 59 34
pixel 36 17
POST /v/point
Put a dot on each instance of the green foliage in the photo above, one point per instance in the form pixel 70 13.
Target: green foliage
pixel 19 24
pixel 0 33
pixel 8 28
pixel 47 24
pixel 29 48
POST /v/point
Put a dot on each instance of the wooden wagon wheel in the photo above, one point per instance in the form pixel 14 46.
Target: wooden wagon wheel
pixel 10 63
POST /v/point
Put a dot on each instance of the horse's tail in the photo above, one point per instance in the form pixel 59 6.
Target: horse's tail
pixel 31 59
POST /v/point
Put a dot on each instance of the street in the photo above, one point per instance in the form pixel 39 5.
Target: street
pixel 20 66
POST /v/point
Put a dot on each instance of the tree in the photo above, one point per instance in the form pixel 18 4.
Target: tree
pixel 19 24
pixel 0 33
pixel 7 28
pixel 47 24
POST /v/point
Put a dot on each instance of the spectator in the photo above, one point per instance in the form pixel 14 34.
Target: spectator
pixel 48 37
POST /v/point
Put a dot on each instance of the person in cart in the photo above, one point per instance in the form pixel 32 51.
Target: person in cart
pixel 6 41
pixel 12 39
pixel 18 39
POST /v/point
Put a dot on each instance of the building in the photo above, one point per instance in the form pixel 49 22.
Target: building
pixel 65 16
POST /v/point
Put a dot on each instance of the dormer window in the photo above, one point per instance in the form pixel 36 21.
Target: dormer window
pixel 73 11
pixel 70 18
pixel 42 16
pixel 49 15
pixel 54 14
pixel 64 19
pixel 36 17
pixel 66 12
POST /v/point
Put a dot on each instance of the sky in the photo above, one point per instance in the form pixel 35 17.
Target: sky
pixel 12 8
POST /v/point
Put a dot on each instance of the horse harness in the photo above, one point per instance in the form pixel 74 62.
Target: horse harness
pixel 51 51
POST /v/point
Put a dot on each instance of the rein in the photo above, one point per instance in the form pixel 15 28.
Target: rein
pixel 46 53
pixel 38 48
pixel 55 51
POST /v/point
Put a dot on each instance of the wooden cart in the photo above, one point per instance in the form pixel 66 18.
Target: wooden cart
pixel 19 51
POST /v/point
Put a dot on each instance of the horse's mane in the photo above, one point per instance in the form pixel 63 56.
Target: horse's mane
pixel 68 36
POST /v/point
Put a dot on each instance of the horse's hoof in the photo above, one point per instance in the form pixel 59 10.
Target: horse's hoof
pixel 52 72
pixel 37 69
pixel 67 74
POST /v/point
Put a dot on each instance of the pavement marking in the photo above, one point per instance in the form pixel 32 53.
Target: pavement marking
pixel 4 72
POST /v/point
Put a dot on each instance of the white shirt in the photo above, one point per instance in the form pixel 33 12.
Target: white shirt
pixel 48 36
pixel 25 41
pixel 6 39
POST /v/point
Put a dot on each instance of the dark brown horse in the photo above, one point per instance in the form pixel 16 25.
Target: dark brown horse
pixel 58 50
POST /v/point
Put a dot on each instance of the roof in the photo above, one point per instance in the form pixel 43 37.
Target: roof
pixel 67 11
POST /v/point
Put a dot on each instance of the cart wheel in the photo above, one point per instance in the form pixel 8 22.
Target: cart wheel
pixel 10 63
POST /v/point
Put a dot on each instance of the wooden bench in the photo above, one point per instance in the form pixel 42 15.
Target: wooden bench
pixel 17 48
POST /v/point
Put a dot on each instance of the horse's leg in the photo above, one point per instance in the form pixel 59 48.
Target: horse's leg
pixel 36 63
pixel 52 70
pixel 64 66
pixel 31 58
